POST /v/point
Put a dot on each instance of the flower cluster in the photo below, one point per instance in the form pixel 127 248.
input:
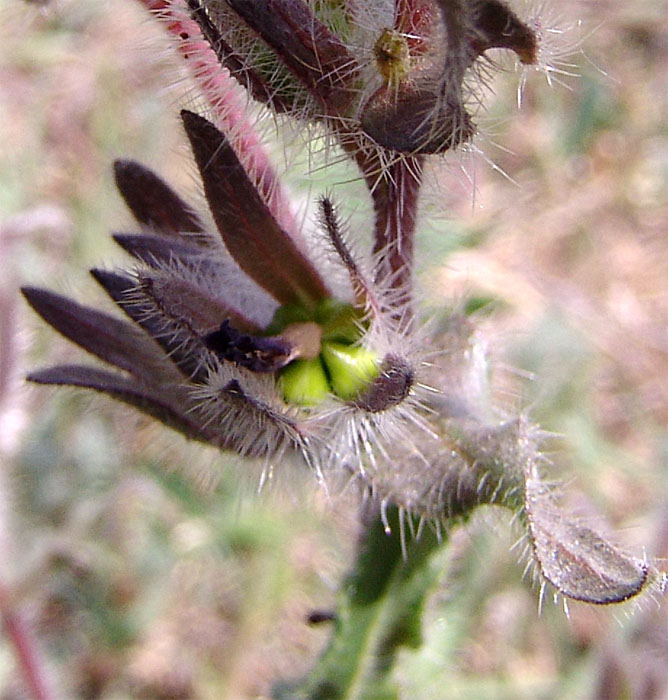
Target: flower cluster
pixel 240 338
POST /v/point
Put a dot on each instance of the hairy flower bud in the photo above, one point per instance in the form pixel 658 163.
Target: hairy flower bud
pixel 398 87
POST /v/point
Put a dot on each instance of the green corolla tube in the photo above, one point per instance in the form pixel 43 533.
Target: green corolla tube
pixel 350 368
pixel 304 382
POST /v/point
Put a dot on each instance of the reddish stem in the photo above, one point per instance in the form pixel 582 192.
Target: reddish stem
pixel 395 200
pixel 416 19
pixel 222 94
pixel 25 649
pixel 394 190
pixel 395 193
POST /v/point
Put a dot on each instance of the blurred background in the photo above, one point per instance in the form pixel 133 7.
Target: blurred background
pixel 146 567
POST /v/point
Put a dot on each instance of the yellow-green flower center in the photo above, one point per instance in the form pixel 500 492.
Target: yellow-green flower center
pixel 342 367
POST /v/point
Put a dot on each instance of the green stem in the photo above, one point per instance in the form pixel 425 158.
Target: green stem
pixel 380 609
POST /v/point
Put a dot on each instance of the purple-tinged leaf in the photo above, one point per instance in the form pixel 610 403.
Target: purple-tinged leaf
pixel 253 237
pixel 118 286
pixel 155 251
pixel 128 391
pixel 172 301
pixel 153 203
pixel 109 338
pixel 251 426
pixel 218 278
pixel 176 336
pixel 318 58
pixel 498 27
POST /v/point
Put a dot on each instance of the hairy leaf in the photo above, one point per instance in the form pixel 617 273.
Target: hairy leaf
pixel 252 235
pixel 126 390
pixel 156 251
pixel 153 203
pixel 175 334
pixel 577 561
pixel 318 58
pixel 105 336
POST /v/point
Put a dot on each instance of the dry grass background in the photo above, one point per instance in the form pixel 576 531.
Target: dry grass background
pixel 145 579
